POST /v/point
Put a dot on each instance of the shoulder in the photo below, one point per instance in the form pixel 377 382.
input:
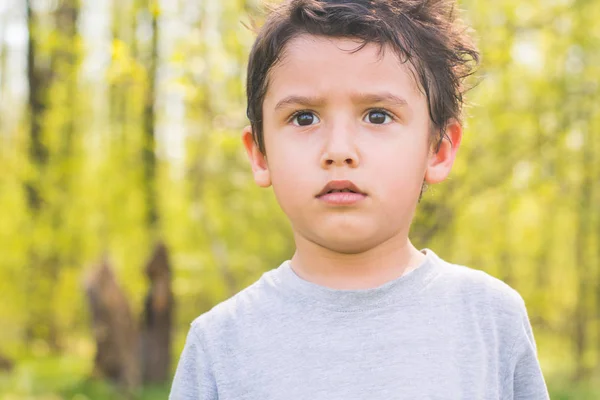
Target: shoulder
pixel 477 287
pixel 248 305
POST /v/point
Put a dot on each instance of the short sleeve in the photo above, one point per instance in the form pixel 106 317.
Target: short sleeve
pixel 528 380
pixel 193 377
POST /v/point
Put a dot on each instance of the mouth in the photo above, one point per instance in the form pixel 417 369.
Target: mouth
pixel 341 192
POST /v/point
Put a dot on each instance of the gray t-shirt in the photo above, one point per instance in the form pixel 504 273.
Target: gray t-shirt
pixel 441 331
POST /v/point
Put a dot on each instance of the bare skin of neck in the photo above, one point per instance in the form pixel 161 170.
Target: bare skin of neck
pixel 365 270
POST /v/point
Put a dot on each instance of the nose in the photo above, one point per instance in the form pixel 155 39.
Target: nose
pixel 340 148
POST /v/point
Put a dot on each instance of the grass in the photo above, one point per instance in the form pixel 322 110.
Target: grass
pixel 92 390
pixel 65 378
pixel 569 391
pixel 85 389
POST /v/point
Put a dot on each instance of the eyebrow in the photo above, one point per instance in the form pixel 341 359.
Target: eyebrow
pixel 383 97
pixel 358 98
pixel 307 101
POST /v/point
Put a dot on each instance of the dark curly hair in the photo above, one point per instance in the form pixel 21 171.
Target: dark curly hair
pixel 425 33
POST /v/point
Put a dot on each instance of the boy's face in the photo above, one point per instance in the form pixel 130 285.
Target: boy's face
pixel 331 114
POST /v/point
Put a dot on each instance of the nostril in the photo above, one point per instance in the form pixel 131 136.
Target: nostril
pixel 329 160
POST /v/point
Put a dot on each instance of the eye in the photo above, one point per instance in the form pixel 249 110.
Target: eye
pixel 378 117
pixel 304 118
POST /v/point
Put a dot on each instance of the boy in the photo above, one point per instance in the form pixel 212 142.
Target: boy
pixel 354 105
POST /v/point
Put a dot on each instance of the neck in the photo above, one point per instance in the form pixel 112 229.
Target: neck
pixel 369 269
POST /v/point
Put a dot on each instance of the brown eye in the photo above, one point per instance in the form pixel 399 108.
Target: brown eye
pixel 378 117
pixel 305 119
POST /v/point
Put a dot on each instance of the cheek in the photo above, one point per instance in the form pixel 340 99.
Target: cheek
pixel 290 155
pixel 290 174
pixel 403 169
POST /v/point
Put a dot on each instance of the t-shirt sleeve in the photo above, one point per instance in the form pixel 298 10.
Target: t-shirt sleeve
pixel 528 380
pixel 193 377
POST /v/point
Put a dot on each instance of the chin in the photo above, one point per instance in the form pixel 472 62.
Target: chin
pixel 346 244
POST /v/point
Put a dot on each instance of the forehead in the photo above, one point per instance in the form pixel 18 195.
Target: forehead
pixel 337 67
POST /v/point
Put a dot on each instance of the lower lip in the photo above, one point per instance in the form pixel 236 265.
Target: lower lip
pixel 342 198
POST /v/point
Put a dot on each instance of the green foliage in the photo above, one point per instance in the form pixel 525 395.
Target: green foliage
pixel 521 203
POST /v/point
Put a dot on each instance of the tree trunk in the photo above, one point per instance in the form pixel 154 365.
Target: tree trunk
pixel 595 139
pixel 581 259
pixel 6 365
pixel 38 81
pixel 148 153
pixel 114 329
pixel 41 274
pixel 3 73
pixel 46 71
pixel 157 319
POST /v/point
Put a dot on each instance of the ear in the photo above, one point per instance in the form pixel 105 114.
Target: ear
pixel 440 162
pixel 258 161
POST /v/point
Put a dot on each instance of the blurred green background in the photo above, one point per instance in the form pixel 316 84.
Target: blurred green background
pixel 120 126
